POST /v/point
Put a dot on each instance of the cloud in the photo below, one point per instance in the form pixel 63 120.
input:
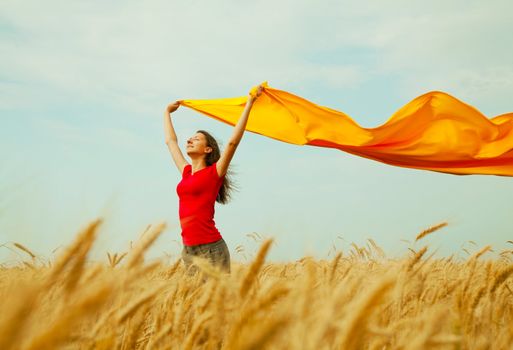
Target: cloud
pixel 136 54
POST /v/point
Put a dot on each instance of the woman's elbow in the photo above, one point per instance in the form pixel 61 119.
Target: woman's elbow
pixel 233 143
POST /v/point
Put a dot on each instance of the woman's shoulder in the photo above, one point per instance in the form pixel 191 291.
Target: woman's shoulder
pixel 213 167
pixel 214 171
pixel 186 169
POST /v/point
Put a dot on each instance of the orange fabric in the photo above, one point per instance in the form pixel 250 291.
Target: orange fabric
pixel 435 131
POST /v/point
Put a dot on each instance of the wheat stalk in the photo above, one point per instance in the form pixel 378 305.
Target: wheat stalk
pixel 252 273
pixel 25 249
pixel 430 230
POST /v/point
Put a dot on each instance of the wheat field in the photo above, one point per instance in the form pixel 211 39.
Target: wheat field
pixel 358 300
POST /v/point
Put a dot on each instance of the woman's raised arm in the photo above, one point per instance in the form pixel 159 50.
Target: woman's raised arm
pixel 238 131
pixel 171 140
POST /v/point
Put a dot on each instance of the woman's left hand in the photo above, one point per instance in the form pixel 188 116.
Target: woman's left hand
pixel 259 90
pixel 256 92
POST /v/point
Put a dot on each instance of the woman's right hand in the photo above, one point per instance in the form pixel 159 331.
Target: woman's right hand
pixel 172 107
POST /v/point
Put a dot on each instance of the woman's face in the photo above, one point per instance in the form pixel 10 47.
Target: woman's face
pixel 197 145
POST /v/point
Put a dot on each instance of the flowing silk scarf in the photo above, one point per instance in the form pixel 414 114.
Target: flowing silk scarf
pixel 435 131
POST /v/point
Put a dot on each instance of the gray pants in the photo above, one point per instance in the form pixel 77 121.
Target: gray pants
pixel 217 254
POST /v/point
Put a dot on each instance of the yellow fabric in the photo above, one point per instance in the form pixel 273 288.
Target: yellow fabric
pixel 435 131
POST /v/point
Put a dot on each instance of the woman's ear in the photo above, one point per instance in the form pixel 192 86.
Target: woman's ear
pixel 208 149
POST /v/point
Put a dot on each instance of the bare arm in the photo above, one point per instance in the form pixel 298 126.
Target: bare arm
pixel 238 131
pixel 171 140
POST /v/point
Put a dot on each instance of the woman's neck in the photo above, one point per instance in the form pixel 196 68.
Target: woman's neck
pixel 198 164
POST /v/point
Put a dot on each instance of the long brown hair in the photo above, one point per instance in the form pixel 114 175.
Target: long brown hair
pixel 227 187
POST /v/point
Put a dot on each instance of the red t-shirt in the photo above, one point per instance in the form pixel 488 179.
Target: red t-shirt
pixel 197 195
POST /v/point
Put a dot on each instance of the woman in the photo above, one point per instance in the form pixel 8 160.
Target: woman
pixel 204 182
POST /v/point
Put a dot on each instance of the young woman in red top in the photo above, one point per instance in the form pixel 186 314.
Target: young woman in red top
pixel 204 182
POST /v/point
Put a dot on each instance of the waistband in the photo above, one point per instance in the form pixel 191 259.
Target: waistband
pixel 197 246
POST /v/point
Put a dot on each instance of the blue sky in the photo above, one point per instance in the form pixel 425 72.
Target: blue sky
pixel 84 85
